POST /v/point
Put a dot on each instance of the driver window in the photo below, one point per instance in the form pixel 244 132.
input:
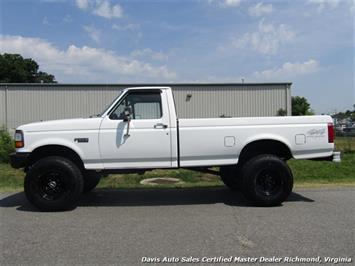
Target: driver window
pixel 144 105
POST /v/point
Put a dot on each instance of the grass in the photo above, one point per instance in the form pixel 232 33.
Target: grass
pixel 10 179
pixel 345 144
pixel 190 179
pixel 306 174
pixel 322 172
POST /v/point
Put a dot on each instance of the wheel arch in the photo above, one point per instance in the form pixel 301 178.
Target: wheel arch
pixel 54 150
pixel 265 146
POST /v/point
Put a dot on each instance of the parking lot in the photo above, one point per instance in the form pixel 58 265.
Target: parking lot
pixel 130 226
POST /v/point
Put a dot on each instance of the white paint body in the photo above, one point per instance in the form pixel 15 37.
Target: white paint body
pixel 203 142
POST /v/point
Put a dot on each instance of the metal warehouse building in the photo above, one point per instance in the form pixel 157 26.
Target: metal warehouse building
pixel 25 103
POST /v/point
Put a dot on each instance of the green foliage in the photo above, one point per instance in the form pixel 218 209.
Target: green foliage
pixel 300 106
pixel 281 112
pixel 345 115
pixel 6 145
pixel 16 69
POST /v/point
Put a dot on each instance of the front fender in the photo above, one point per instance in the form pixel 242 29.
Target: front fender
pixel 34 144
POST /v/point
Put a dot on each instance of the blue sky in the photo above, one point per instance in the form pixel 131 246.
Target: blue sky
pixel 307 42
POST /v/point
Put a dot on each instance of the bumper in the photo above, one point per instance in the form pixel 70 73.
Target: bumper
pixel 19 160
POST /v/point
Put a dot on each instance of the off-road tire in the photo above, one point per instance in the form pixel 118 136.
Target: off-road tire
pixel 54 184
pixel 267 180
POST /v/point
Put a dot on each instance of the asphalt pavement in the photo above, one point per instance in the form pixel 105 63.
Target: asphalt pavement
pixel 207 226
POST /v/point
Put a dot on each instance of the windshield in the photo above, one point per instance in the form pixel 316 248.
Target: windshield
pixel 108 106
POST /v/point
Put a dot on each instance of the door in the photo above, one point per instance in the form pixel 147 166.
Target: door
pixel 147 144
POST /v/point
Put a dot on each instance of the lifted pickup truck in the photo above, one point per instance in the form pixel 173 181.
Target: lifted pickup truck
pixel 140 131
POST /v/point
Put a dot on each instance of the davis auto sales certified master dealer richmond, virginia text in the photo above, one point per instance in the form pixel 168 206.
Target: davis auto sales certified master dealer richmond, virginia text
pixel 236 259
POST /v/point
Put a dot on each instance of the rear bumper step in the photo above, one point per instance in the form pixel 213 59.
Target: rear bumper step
pixel 335 157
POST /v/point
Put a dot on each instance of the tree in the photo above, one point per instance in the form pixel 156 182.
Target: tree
pixel 300 106
pixel 6 145
pixel 281 112
pixel 16 69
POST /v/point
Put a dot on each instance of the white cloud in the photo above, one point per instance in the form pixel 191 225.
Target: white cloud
pixel 288 70
pixel 82 4
pixel 84 64
pixel 260 9
pixel 149 53
pixel 93 33
pixel 130 26
pixel 231 2
pixel 226 3
pixel 267 39
pixel 322 4
pixel 102 8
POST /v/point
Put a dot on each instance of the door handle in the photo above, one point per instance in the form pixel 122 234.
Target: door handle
pixel 160 125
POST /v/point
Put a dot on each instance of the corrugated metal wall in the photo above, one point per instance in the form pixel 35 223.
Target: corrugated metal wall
pixel 240 101
pixel 25 103
pixel 2 106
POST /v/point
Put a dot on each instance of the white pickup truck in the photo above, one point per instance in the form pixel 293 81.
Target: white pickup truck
pixel 139 131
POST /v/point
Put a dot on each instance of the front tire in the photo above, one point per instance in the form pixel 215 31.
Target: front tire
pixel 267 180
pixel 53 184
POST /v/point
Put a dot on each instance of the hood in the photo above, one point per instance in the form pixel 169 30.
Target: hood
pixel 63 124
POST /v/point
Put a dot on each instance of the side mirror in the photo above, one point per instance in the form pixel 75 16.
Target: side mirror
pixel 127 114
pixel 127 118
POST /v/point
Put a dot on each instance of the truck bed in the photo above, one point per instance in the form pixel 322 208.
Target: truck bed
pixel 219 141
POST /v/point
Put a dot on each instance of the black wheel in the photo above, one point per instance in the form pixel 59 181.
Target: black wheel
pixel 230 176
pixel 267 180
pixel 91 179
pixel 54 183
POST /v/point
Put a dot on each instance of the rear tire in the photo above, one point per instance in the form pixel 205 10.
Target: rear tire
pixel 53 184
pixel 267 180
pixel 91 179
pixel 230 176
